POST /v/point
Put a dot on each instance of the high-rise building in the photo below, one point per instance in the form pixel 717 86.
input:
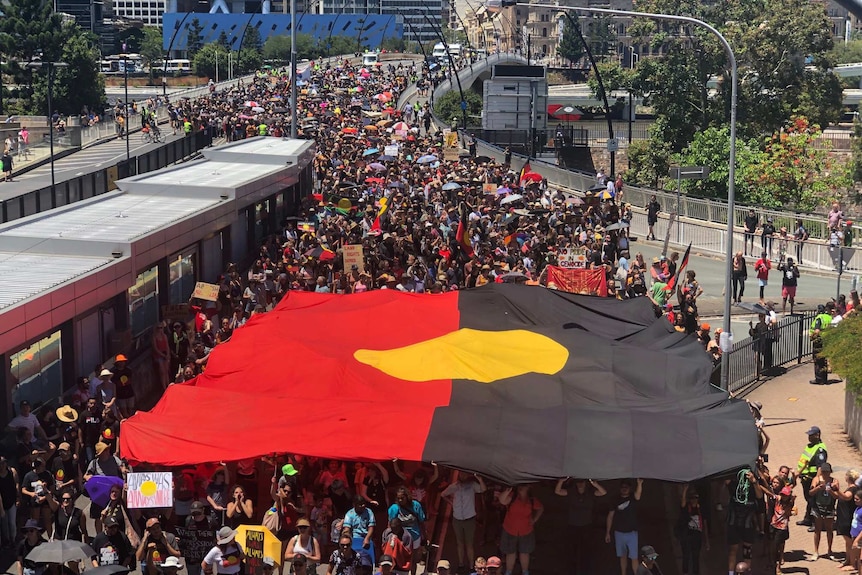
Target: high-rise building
pixel 147 11
pixel 418 14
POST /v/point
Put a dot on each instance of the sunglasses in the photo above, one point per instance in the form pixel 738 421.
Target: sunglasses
pixel 302 527
pixel 345 545
pixel 66 499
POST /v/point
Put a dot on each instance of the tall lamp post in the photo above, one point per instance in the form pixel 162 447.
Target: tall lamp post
pixel 126 100
pixel 49 66
pixel 726 336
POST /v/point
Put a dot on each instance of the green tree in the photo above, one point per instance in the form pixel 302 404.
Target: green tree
pixel 840 347
pixel 782 48
pixel 222 40
pixel 204 63
pixel 846 52
pixel 74 87
pixel 251 39
pixel 249 61
pixel 151 48
pixel 711 148
pixel 131 38
pixel 601 36
pixel 614 78
pixel 278 48
pixel 194 38
pixel 449 106
pixel 340 45
pixel 649 161
pixel 393 44
pixel 30 30
pixel 570 46
pixel 794 172
pixel 855 167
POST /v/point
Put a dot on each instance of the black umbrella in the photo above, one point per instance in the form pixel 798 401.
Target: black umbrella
pixel 597 188
pixel 753 307
pixel 107 570
pixel 61 551
pixel 482 159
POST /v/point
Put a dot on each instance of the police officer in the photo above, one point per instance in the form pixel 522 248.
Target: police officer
pixel 821 369
pixel 813 456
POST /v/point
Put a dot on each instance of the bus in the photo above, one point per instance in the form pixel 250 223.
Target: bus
pixel 116 64
pixel 177 66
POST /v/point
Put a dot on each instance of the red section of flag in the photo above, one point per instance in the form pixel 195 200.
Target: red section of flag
pixel 461 233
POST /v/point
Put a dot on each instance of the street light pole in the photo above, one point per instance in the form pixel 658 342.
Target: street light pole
pixel 126 101
pixel 293 114
pixel 50 67
pixel 726 336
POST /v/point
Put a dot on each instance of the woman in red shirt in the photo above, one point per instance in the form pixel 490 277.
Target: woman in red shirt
pixel 518 537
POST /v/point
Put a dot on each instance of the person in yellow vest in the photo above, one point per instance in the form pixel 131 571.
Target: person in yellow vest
pixel 262 129
pixel 813 456
pixel 821 367
pixel 187 127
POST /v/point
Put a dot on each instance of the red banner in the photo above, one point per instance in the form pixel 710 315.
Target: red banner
pixel 580 281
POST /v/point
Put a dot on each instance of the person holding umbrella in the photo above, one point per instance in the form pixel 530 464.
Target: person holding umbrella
pixel 32 539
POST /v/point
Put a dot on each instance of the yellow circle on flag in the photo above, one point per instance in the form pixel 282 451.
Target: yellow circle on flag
pixel 345 203
pixel 148 488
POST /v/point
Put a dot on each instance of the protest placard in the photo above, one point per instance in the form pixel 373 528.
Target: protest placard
pixel 150 489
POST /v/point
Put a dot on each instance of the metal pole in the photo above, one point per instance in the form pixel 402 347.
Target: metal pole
pixel 293 114
pixel 168 55
pixel 126 103
pixel 678 193
pixel 840 271
pixel 731 181
pixel 51 126
pixel 452 69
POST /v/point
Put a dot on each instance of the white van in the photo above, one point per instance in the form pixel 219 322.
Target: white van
pixel 439 51
pixel 369 58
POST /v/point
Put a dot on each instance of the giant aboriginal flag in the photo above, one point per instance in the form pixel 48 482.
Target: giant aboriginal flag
pixel 517 382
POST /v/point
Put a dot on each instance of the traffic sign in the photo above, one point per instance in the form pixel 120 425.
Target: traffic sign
pixel 613 144
pixel 464 105
pixel 689 172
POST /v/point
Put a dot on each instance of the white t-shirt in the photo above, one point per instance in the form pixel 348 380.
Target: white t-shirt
pixel 30 422
pixel 227 562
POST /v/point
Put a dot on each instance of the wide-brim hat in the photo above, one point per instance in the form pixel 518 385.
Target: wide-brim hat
pixel 67 414
pixel 225 535
pixel 33 524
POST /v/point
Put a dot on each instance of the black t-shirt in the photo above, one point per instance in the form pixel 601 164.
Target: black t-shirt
pixel 68 527
pixel 112 550
pixel 63 471
pixel 581 506
pixel 24 549
pixel 626 515
pixel 788 276
pixel 750 223
pixel 30 478
pixel 123 378
pixel 90 425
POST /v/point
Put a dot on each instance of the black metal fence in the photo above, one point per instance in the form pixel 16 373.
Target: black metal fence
pixel 100 181
pixel 752 359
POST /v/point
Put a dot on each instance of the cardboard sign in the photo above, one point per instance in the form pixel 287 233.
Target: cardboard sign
pixel 452 140
pixel 147 490
pixel 490 189
pixel 208 292
pixel 391 150
pixel 572 258
pixel 195 543
pixel 254 540
pixel 353 256
pixel 305 227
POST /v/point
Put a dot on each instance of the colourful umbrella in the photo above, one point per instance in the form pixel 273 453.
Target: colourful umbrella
pixel 400 126
pixel 99 488
pixel 374 180
pixel 377 166
pixel 370 152
pixel 427 159
pixel 532 177
pixel 606 195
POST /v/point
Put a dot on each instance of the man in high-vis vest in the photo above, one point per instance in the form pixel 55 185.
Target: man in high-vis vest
pixel 821 367
pixel 813 456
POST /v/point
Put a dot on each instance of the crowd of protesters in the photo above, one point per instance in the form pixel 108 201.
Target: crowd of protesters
pixel 427 220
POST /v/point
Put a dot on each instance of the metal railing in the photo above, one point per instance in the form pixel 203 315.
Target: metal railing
pixel 753 358
pixel 101 181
